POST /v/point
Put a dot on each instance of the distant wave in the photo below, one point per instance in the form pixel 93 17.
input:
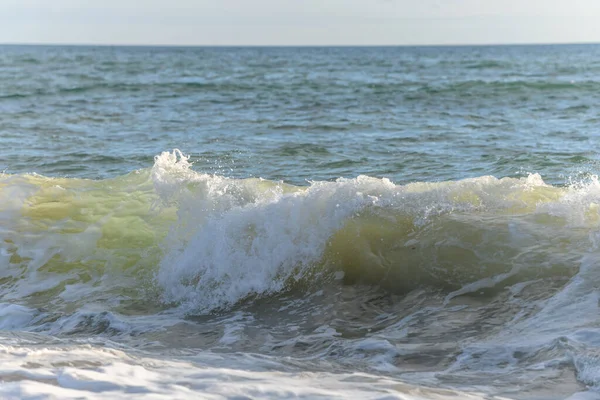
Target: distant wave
pixel 481 87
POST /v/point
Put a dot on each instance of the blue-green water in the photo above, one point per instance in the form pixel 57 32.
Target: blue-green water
pixel 410 114
pixel 389 222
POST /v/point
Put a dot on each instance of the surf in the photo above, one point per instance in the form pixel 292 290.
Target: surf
pixel 200 242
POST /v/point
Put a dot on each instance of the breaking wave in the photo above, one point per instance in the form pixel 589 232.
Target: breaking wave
pixel 170 236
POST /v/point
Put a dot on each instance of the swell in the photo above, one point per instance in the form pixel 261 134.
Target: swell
pixel 171 236
pixel 494 88
pixel 409 87
pixel 130 87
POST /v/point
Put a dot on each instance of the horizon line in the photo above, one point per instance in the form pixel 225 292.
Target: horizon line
pixel 170 45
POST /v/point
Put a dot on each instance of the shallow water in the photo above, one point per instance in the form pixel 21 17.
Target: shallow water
pixel 339 223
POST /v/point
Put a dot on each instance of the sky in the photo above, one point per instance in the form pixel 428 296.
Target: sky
pixel 299 22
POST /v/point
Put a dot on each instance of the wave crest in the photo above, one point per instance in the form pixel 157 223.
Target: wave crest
pixel 206 242
pixel 256 238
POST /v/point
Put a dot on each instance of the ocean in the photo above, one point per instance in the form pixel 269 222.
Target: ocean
pixel 315 223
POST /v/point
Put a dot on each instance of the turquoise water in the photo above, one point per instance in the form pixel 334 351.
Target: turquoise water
pixel 390 222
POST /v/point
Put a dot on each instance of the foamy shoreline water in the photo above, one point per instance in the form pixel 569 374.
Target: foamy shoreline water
pixel 95 372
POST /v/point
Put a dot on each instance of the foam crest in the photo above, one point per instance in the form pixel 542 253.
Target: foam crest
pixel 242 238
pixel 256 248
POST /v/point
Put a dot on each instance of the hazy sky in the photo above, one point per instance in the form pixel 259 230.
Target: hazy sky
pixel 299 22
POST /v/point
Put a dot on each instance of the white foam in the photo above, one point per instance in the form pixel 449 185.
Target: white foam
pixel 246 241
pixel 99 373
pixel 13 316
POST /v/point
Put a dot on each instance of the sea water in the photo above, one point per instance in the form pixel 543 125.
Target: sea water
pixel 378 223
